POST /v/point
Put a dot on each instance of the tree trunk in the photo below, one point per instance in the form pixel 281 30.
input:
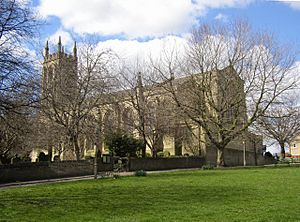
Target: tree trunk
pixel 220 157
pixel 282 150
pixel 144 150
pixel 77 152
pixel 154 153
pixel 49 151
pixel 255 154
pixel 142 134
pixel 76 147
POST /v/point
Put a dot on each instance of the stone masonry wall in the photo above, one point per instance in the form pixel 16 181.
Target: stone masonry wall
pixel 235 157
pixel 47 170
pixel 165 163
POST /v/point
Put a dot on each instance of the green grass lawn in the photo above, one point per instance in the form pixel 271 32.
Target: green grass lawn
pixel 217 195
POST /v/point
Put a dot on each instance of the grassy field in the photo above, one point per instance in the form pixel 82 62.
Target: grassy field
pixel 216 195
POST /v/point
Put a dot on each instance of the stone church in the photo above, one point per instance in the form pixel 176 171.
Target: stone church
pixel 167 133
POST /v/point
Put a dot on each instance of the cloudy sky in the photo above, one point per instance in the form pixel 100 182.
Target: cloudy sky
pixel 133 27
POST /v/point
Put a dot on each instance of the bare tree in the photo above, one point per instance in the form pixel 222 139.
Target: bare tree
pixel 18 25
pixel 281 122
pixel 232 76
pixel 150 108
pixel 10 140
pixel 18 91
pixel 16 134
pixel 78 89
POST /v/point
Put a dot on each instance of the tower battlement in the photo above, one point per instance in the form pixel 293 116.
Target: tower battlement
pixel 59 73
pixel 60 53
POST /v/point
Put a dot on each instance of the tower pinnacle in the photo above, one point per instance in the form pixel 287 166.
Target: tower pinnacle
pixel 139 80
pixel 59 44
pixel 47 49
pixel 75 50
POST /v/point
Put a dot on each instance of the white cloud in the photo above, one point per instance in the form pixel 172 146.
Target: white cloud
pixel 295 4
pixel 132 51
pixel 221 17
pixel 205 4
pixel 133 18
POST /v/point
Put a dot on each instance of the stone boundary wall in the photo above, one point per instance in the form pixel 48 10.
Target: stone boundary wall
pixel 47 170
pixel 235 157
pixel 166 163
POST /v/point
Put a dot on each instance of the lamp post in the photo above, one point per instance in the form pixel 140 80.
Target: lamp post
pixel 97 143
pixel 244 152
pixel 244 142
pixel 96 162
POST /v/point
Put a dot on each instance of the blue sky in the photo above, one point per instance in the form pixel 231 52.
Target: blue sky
pixel 276 17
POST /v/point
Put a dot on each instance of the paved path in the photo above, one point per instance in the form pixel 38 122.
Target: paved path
pixel 88 177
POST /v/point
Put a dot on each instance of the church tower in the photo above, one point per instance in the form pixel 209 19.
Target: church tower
pixel 59 81
pixel 59 90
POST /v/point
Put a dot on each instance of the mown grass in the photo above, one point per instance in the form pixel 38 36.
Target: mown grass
pixel 216 195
